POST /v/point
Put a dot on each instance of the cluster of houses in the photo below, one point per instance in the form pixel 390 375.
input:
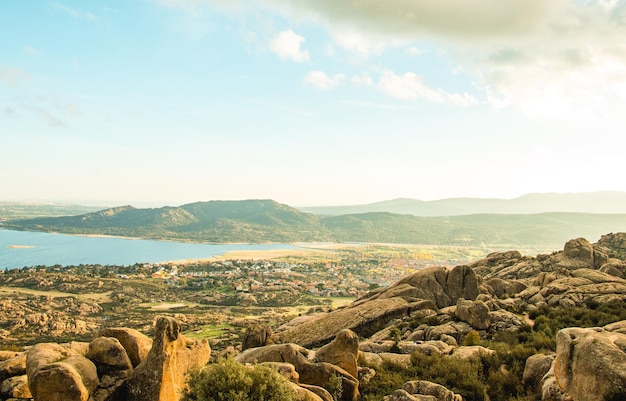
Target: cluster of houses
pixel 325 279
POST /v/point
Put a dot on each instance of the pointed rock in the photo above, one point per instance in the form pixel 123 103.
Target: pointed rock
pixel 164 372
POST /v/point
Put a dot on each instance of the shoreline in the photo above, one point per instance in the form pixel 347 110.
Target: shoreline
pixel 301 249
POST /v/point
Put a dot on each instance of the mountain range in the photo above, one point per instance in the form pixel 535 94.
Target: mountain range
pixel 583 202
pixel 262 221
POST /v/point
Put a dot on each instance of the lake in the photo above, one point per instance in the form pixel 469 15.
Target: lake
pixel 25 248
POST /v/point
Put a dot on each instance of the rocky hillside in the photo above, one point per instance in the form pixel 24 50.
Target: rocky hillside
pixel 492 302
pixel 503 282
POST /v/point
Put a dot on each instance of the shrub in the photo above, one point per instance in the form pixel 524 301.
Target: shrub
pixel 472 338
pixel 227 380
pixel 334 386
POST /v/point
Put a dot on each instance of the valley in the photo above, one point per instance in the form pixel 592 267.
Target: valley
pixel 465 324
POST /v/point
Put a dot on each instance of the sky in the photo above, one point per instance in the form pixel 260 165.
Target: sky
pixel 309 102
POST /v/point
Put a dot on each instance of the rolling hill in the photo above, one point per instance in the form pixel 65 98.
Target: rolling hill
pixel 261 221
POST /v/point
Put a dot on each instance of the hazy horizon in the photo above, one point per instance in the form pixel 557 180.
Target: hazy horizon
pixel 310 103
pixel 156 203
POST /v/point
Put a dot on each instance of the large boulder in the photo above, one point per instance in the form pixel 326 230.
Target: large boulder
pixel 443 287
pixel 4 355
pixel 109 356
pixel 321 392
pixel 403 395
pixel 471 352
pixel 550 390
pixel 256 336
pixel 343 351
pixel 136 344
pixel 579 248
pixel 508 288
pixel 13 366
pixel 535 369
pixel 476 313
pixel 59 374
pixel 617 269
pixel 15 387
pixel 430 288
pixel 163 374
pixel 591 363
pixel 424 387
pixel 305 394
pixel 456 330
pixel 363 317
pixel 614 245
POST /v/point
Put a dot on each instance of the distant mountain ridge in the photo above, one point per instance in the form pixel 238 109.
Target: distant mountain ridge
pixel 607 202
pixel 262 221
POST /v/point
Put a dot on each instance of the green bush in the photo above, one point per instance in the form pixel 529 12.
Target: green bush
pixel 472 338
pixel 334 386
pixel 227 380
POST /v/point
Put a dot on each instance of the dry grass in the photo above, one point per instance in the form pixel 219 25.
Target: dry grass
pixel 100 297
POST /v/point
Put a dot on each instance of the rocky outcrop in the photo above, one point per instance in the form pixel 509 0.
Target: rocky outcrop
pixel 13 366
pixel 581 273
pixel 162 375
pixel 423 390
pixel 362 317
pixel 475 313
pixel 15 387
pixel 403 395
pixel 471 352
pixel 343 351
pixel 535 369
pixel 590 364
pixel 550 390
pixel 28 316
pixel 109 356
pixel 57 374
pixel 136 344
pixel 613 245
pixel 424 387
pixel 256 336
pixel 102 370
pixel 443 287
pixel 431 288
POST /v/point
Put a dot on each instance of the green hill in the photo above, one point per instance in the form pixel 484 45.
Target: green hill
pixel 260 221
pixel 214 221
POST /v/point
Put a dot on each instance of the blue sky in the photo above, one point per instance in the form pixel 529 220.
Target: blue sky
pixel 314 102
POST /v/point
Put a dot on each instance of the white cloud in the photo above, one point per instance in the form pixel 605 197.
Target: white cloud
pixel 287 46
pixel 410 86
pixel 13 76
pixel 408 18
pixel 358 43
pixel 73 12
pixel 575 68
pixel 362 80
pixel 557 58
pixel 197 8
pixel 414 51
pixel 321 81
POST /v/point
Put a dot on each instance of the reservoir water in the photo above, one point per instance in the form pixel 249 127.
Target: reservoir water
pixel 25 248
